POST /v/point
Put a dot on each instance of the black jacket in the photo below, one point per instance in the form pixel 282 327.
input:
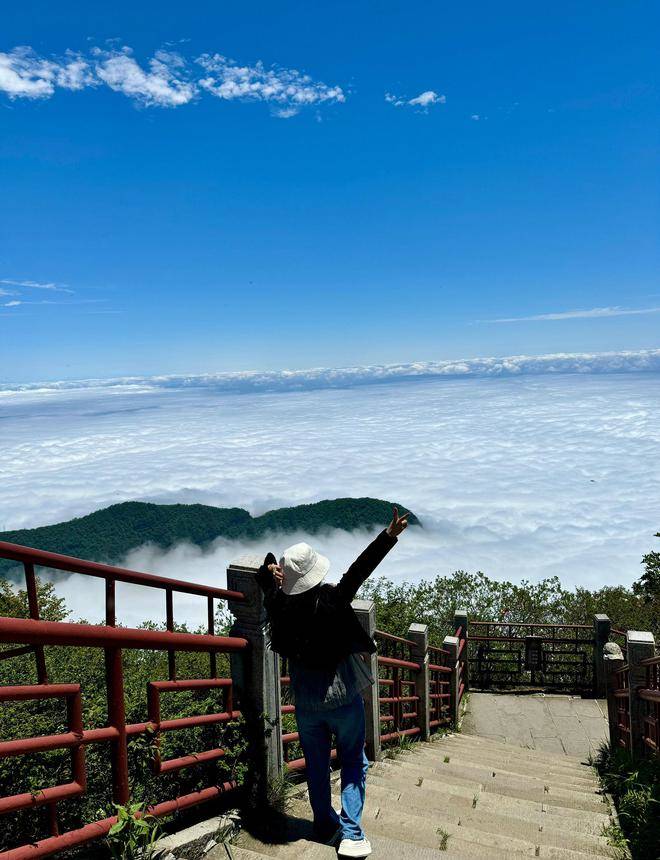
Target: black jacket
pixel 319 628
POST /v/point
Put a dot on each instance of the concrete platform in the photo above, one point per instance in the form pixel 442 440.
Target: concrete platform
pixel 564 725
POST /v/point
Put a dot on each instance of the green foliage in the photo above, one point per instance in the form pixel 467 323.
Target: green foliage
pixel 648 585
pixel 635 787
pixel 134 835
pixel 434 601
pixel 109 534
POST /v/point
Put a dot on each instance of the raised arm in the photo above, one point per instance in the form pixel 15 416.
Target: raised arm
pixel 368 560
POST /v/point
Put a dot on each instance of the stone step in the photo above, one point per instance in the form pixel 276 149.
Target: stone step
pixel 233 852
pixel 537 827
pixel 522 755
pixel 519 753
pixel 384 848
pixel 420 828
pixel 583 773
pixel 459 799
pixel 411 775
pixel 485 773
pixel 478 742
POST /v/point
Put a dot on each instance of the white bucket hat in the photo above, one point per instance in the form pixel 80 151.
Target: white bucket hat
pixel 303 568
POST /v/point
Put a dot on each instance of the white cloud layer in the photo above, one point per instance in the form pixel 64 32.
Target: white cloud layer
pixel 519 477
pixel 590 313
pixel 241 382
pixel 166 80
pixel 422 102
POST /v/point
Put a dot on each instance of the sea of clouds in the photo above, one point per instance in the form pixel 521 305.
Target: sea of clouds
pixel 520 474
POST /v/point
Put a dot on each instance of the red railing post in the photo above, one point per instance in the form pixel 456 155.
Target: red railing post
pixel 114 673
pixel 419 653
pixel 602 628
pixel 461 623
pixel 256 673
pixel 451 644
pixel 612 664
pixel 33 608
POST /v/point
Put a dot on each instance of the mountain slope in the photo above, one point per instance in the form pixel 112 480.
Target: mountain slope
pixel 107 535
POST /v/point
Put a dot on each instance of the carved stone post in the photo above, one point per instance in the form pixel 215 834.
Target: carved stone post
pixel 602 626
pixel 612 662
pixel 419 634
pixel 641 645
pixel 366 613
pixel 451 644
pixel 256 673
pixel 461 620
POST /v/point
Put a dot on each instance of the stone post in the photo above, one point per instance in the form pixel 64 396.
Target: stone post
pixel 612 662
pixel 366 613
pixel 461 620
pixel 641 645
pixel 451 644
pixel 256 674
pixel 602 626
pixel 419 634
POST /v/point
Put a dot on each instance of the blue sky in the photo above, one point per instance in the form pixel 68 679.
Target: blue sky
pixel 189 213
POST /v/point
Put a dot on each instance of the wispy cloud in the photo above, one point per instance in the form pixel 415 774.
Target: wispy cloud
pixel 166 80
pixel 288 89
pixel 590 313
pixel 34 285
pixel 422 102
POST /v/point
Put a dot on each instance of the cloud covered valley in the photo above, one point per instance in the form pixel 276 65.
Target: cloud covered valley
pixel 525 476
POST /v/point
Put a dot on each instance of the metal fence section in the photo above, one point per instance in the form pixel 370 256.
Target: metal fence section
pixel 650 696
pixel 506 654
pixel 398 707
pixel 633 695
pixel 33 634
pixel 439 683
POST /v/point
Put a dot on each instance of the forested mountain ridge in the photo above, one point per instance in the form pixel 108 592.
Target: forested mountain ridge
pixel 108 534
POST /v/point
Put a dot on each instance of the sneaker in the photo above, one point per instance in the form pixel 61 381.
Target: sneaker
pixel 354 848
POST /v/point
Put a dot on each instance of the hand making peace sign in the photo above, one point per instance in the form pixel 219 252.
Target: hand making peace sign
pixel 398 524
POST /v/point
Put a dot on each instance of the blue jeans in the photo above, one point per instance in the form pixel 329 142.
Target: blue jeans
pixel 316 729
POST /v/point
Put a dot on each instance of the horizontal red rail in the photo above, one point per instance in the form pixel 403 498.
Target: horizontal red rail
pixel 380 634
pixel 394 661
pixel 99 829
pixel 55 560
pixel 99 636
pixel 445 669
pixel 554 640
pixel 529 624
pixel 649 661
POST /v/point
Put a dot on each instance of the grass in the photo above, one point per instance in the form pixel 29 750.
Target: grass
pixel 404 744
pixel 444 839
pixel 446 759
pixel 635 787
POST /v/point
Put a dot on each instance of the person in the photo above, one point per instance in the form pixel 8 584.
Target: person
pixel 314 627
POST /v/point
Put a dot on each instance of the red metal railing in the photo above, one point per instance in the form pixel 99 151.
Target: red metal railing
pixel 650 695
pixel 34 634
pixel 621 695
pixel 399 707
pixel 439 681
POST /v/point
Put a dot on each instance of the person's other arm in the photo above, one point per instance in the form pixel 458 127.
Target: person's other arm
pixel 265 576
pixel 365 564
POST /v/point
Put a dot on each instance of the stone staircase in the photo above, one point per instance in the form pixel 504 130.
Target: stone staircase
pixel 461 796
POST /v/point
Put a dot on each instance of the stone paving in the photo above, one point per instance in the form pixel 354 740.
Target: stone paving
pixel 552 723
